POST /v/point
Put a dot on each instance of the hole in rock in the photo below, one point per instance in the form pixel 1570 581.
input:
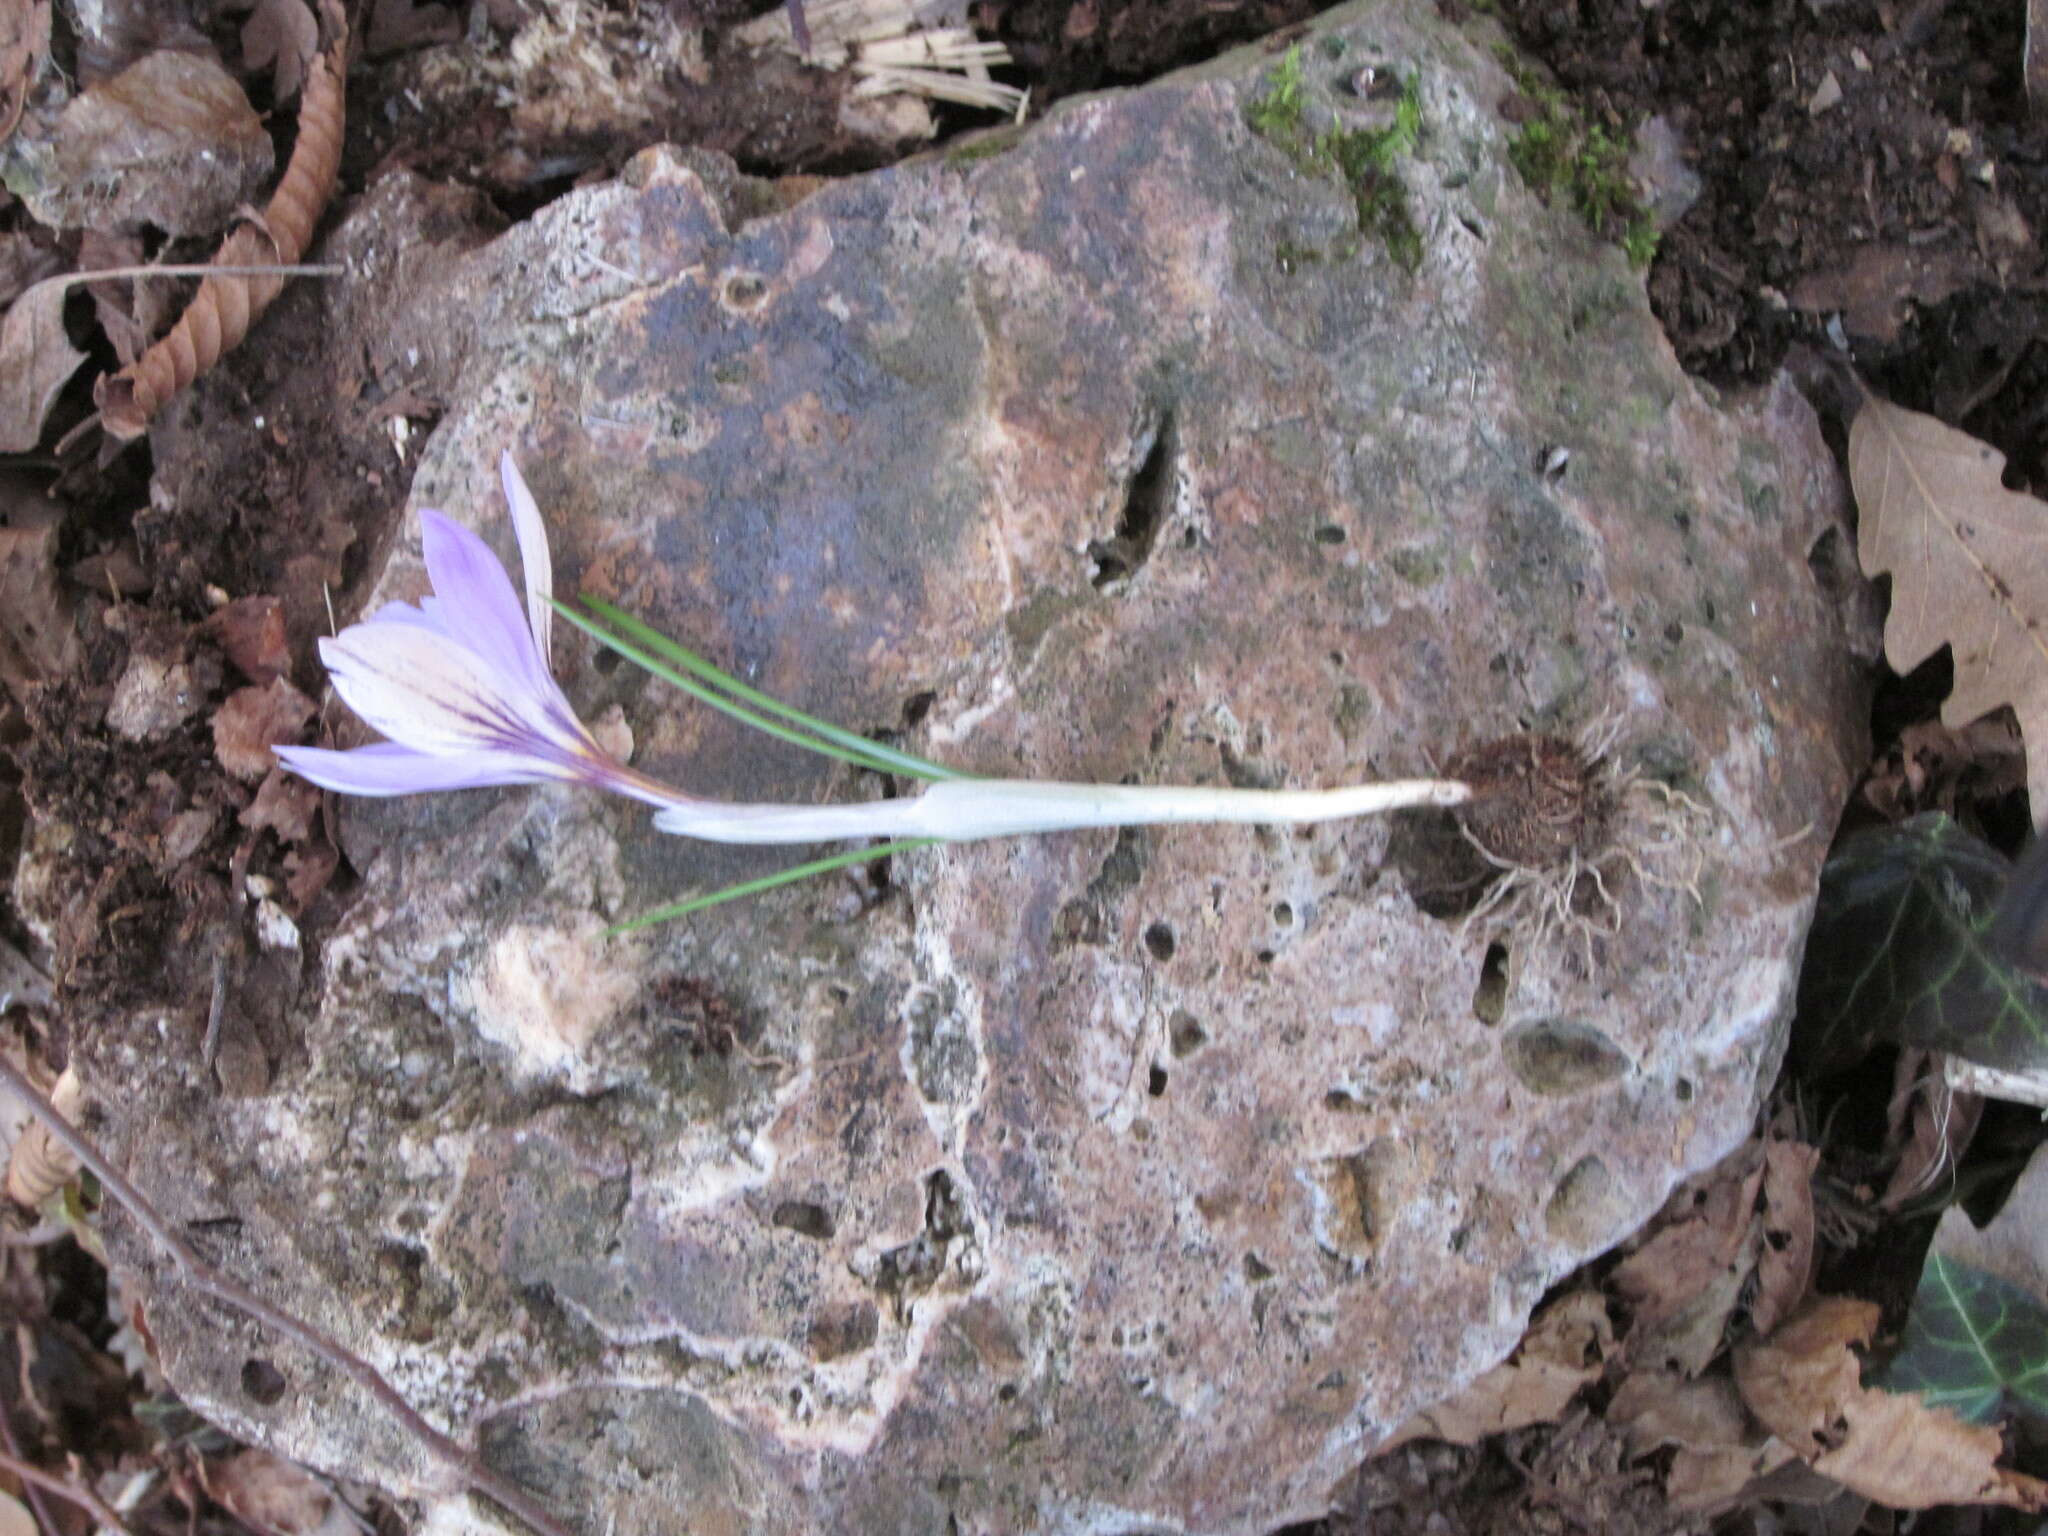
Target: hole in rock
pixel 804 1219
pixel 1256 1269
pixel 1146 504
pixel 1155 1081
pixel 606 662
pixel 1330 533
pixel 1283 915
pixel 263 1382
pixel 1490 998
pixel 916 707
pixel 1159 941
pixel 1186 1034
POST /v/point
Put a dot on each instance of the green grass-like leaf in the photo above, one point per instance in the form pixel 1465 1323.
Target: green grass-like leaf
pixel 709 684
pixel 1973 1341
pixel 754 887
pixel 1900 951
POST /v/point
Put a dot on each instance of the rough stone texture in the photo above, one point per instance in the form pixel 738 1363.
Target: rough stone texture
pixel 1086 1183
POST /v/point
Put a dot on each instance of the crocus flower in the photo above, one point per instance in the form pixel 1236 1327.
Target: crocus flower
pixel 461 684
pixel 462 687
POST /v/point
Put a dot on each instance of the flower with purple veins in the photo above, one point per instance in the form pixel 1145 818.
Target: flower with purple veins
pixel 461 684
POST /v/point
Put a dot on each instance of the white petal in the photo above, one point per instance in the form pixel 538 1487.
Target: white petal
pixel 532 534
pixel 423 690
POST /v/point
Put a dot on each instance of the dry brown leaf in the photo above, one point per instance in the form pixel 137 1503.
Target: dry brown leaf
pixel 396 25
pixel 251 631
pixel 270 1494
pixel 38 643
pixel 252 720
pixel 1564 1350
pixel 282 36
pixel 24 44
pixel 1718 1455
pixel 1805 1385
pixel 1873 288
pixel 1784 1261
pixel 286 804
pixel 1706 1226
pixel 36 362
pixel 40 1165
pixel 1930 1124
pixel 1969 566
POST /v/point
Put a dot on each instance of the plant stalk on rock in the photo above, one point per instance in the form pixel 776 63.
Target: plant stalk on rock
pixel 463 687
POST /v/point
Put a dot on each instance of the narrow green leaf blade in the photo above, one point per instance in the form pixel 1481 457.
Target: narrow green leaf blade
pixel 690 661
pixel 1973 1341
pixel 718 701
pixel 754 887
pixel 1900 950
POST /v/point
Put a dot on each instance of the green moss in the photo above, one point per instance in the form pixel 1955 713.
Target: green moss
pixel 1417 567
pixel 1362 158
pixel 1560 154
pixel 984 146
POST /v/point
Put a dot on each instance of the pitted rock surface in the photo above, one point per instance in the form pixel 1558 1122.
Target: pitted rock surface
pixel 1098 1182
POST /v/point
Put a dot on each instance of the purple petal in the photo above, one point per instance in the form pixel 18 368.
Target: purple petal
pixel 478 605
pixel 539 569
pixel 390 769
pixel 435 694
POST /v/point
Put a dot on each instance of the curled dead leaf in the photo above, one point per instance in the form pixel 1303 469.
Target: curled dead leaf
pixel 281 36
pixel 24 45
pixel 1969 566
pixel 1805 1385
pixel 1564 1350
pixel 1718 1455
pixel 39 1164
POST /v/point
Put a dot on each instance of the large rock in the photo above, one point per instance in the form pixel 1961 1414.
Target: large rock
pixel 1096 1182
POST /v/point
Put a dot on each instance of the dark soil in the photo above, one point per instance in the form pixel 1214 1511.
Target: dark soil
pixel 1907 207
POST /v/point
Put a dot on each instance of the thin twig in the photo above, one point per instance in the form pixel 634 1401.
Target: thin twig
pixel 64 1488
pixel 467 1466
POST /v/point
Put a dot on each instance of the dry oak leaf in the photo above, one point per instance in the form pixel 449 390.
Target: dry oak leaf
pixel 1804 1384
pixel 1969 566
pixel 1784 1261
pixel 1565 1349
pixel 36 362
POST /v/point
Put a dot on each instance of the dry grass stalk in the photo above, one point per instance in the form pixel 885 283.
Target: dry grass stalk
pixel 220 315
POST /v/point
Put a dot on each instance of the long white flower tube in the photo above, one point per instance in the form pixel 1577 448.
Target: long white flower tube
pixel 963 810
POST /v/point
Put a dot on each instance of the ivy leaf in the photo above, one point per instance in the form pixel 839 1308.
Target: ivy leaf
pixel 1902 950
pixel 1972 1339
pixel 1977 1336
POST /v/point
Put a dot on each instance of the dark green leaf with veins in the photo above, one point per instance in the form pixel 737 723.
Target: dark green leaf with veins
pixel 1972 1339
pixel 1901 951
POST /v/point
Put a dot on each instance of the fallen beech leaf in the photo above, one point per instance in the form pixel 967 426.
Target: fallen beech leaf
pixel 1705 1228
pixel 1564 1350
pixel 36 362
pixel 1784 1261
pixel 1719 1456
pixel 1805 1386
pixel 1969 565
pixel 280 35
pixel 250 720
pixel 1942 1123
